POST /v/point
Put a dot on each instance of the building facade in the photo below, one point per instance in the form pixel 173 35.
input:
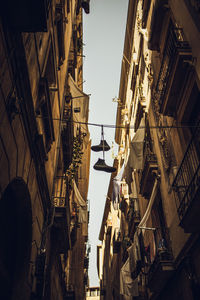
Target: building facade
pixel 93 293
pixel 152 251
pixel 44 151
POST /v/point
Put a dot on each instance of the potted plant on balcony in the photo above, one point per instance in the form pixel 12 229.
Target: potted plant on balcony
pixel 76 158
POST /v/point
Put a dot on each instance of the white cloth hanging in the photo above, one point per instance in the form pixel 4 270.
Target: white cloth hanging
pixel 135 159
pixel 79 199
pixel 116 188
pixel 83 215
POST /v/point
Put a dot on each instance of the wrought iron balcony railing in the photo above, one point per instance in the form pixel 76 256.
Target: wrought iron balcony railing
pixel 67 138
pixel 186 184
pixel 86 262
pixel 174 72
pixel 150 167
pixel 162 267
pixel 133 215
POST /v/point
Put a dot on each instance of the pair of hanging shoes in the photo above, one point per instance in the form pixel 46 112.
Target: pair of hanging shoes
pixel 101 166
pixel 103 146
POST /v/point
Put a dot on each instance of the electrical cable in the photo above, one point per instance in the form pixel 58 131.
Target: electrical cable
pixel 123 126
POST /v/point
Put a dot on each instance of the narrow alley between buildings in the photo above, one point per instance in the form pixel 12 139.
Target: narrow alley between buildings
pixel 53 153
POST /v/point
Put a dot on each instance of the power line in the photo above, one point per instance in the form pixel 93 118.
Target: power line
pixel 125 127
pixel 132 126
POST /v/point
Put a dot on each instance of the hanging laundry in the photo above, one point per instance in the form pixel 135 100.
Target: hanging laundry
pixel 128 286
pixel 135 160
pixel 116 188
pixel 135 257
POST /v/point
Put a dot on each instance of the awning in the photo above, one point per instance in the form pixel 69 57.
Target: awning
pixel 135 160
pixel 80 103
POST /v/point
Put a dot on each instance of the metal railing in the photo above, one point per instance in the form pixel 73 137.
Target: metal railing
pixel 187 180
pixel 175 43
pixel 149 157
pixel 163 252
pixel 133 212
pixel 148 153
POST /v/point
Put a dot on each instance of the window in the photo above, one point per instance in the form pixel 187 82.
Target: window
pixel 134 77
pixel 191 115
pixel 43 108
pixel 146 6
pixel 60 25
pixel 158 222
pixel 50 74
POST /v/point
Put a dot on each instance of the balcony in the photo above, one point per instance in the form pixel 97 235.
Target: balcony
pixel 116 246
pixel 162 267
pixel 175 73
pixel 146 6
pixel 67 138
pixel 116 241
pixel 40 273
pixel 133 216
pixel 70 295
pixel 86 262
pixel 159 16
pixel 26 16
pixel 186 186
pixel 61 224
pixel 150 168
pixel 85 279
pixel 193 7
pixel 60 25
pixel 160 271
pixel 62 228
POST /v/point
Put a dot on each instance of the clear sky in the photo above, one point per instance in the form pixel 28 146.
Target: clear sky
pixel 104 32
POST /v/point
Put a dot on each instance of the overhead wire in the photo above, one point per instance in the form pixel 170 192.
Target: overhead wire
pixel 132 126
pixel 124 126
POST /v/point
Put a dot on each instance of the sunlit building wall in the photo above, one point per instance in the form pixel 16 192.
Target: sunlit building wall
pixel 41 150
pixel 158 159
